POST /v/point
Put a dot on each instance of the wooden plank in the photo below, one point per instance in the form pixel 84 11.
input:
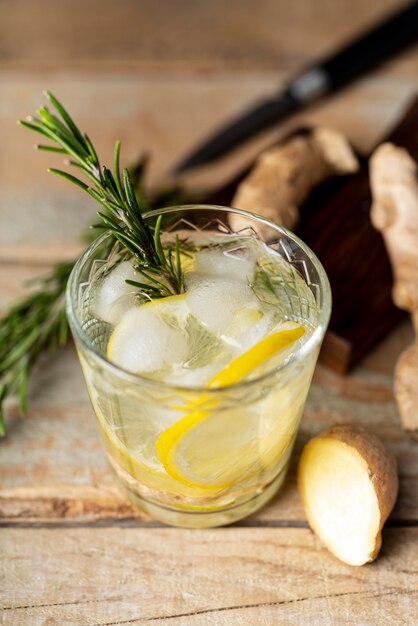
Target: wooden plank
pixel 223 576
pixel 52 467
pixel 184 36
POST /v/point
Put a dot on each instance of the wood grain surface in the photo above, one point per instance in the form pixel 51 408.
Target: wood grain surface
pixel 160 76
pixel 221 576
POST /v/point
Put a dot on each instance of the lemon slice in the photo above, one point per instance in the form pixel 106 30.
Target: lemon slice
pixel 247 362
pixel 218 452
pixel 131 448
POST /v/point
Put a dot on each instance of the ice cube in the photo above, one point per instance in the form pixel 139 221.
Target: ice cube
pixel 234 264
pixel 114 296
pixel 142 342
pixel 215 300
pixel 248 327
pixel 257 332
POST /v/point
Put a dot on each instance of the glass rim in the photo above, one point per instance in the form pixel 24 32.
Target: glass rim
pixel 324 310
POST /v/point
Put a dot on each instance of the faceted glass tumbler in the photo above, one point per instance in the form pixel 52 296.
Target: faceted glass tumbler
pixel 253 423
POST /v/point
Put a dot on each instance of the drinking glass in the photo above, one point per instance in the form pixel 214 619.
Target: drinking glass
pixel 249 427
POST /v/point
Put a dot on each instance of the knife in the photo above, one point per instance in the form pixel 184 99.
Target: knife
pixel 323 78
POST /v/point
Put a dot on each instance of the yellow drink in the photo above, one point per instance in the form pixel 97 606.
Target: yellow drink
pixel 198 396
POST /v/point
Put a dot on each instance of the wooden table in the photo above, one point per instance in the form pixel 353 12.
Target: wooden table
pixel 159 76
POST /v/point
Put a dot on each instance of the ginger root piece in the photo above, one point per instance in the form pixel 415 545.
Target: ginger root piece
pixel 348 484
pixel 406 382
pixel 394 184
pixel 283 177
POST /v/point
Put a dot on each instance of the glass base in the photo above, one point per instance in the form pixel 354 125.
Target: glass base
pixel 203 519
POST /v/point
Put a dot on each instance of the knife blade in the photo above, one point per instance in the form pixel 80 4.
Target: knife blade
pixel 323 78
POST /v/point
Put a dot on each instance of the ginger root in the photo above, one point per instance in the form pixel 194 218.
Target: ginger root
pixel 283 177
pixel 348 483
pixel 394 184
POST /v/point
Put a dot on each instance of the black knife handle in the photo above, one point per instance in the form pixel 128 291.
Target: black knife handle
pixel 387 38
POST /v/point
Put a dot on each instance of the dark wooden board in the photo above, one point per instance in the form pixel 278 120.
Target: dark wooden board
pixel 335 223
pixel 340 233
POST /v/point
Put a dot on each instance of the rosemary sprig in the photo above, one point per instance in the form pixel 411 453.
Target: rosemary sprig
pixel 161 273
pixel 38 321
